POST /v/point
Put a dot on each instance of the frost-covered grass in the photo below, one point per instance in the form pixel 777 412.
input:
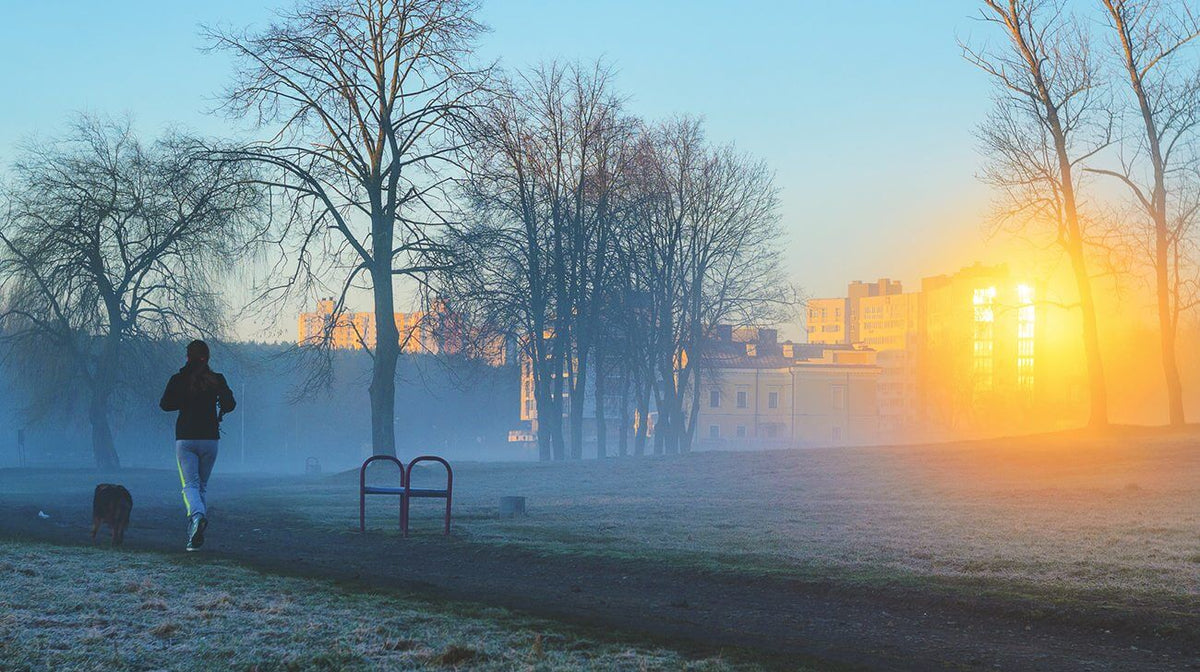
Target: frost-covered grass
pixel 78 608
pixel 1111 521
pixel 1115 517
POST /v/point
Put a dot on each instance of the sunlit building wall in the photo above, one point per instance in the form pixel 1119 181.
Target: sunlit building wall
pixel 348 331
pixel 828 321
pixel 766 394
pixel 420 332
pixel 891 325
pixel 980 352
pixel 856 292
pixel 838 320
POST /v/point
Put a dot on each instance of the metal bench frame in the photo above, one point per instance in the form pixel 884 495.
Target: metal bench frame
pixel 404 491
pixel 411 493
pixel 364 490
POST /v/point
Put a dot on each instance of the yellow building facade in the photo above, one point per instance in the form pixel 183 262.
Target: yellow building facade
pixel 766 394
pixel 356 331
pixel 891 325
pixel 981 347
pixel 828 321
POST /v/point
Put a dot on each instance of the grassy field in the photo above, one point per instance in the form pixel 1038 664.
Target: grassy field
pixel 91 609
pixel 1106 529
pixel 1114 518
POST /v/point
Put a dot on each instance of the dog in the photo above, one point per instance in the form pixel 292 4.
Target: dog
pixel 111 506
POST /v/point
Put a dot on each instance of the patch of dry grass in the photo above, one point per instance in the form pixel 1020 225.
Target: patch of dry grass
pixel 90 609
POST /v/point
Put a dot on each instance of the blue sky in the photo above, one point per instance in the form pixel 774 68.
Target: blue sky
pixel 864 108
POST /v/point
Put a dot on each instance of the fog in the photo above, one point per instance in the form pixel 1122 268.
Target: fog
pixel 460 409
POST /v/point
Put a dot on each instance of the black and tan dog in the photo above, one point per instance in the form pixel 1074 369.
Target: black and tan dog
pixel 111 505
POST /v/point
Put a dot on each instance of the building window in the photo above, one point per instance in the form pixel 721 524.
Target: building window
pixel 985 322
pixel 838 397
pixel 837 434
pixel 773 400
pixel 741 431
pixel 714 399
pixel 714 431
pixel 1026 316
pixel 742 399
pixel 771 431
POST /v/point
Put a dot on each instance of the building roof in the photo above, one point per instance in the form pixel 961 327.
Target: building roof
pixel 734 355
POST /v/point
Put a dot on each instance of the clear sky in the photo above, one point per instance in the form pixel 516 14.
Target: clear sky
pixel 864 108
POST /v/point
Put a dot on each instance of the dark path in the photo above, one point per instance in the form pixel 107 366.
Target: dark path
pixel 792 621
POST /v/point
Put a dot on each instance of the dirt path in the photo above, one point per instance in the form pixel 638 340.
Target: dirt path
pixel 790 621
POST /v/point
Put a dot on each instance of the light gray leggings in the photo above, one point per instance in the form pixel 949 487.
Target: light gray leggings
pixel 195 459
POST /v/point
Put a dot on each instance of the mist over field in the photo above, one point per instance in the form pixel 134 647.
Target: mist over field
pixel 461 409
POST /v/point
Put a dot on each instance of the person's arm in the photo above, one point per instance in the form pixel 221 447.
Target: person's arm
pixel 225 397
pixel 170 397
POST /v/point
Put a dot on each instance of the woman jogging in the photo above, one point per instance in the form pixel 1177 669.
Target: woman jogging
pixel 202 398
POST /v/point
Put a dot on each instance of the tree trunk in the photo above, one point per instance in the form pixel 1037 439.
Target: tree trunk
pixel 643 415
pixel 103 448
pixel 1166 323
pixel 383 373
pixel 1158 212
pixel 623 430
pixel 542 403
pixel 669 413
pixel 1098 389
pixel 601 417
pixel 555 425
pixel 1098 415
pixel 689 432
pixel 558 367
pixel 103 384
pixel 578 396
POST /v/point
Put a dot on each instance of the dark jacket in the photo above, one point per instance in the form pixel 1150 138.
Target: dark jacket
pixel 198 410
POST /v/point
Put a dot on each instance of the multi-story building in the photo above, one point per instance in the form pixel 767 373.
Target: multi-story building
pixel 980 351
pixel 420 332
pixel 960 355
pixel 828 321
pixel 838 320
pixel 856 292
pixel 349 331
pixel 417 332
pixel 891 325
pixel 762 393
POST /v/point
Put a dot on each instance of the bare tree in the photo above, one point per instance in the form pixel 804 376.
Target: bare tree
pixel 547 168
pixel 708 242
pixel 611 250
pixel 368 102
pixel 1165 85
pixel 1048 119
pixel 108 247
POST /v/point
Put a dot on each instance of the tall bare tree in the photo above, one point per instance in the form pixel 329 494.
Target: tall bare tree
pixel 547 165
pixel 708 249
pixel 108 246
pixel 1048 119
pixel 368 102
pixel 1164 83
